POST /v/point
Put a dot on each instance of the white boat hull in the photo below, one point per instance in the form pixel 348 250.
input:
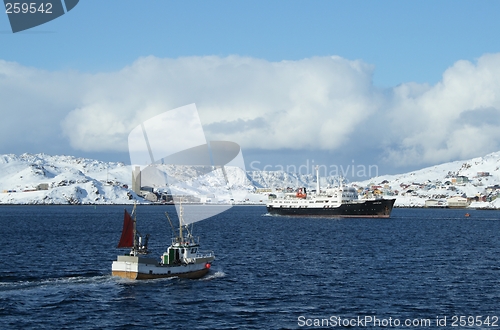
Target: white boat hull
pixel 139 268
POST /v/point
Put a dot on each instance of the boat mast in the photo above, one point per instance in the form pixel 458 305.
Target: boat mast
pixel 134 220
pixel 180 219
pixel 317 180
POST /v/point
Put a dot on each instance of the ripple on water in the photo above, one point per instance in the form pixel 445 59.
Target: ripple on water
pixel 268 271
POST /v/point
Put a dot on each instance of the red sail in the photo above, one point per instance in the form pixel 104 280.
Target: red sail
pixel 127 239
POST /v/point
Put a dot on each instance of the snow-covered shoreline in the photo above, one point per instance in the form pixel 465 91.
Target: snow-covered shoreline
pixel 39 179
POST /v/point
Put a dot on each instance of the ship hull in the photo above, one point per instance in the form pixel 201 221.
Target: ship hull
pixel 141 276
pixel 379 208
pixel 140 268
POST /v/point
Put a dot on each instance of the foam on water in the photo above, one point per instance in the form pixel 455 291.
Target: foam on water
pixel 54 282
pixel 217 274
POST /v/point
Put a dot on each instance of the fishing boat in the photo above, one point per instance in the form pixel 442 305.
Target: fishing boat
pixel 183 257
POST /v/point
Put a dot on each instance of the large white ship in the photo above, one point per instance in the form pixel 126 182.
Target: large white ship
pixel 341 201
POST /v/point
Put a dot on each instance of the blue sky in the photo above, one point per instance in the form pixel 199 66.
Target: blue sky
pixel 397 80
pixel 405 40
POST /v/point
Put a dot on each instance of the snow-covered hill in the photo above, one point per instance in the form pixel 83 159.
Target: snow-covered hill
pixel 44 179
pixel 69 180
pixel 440 182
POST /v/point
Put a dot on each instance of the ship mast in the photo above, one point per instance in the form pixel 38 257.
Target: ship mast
pixel 317 180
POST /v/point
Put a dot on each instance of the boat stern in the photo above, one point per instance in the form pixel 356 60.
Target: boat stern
pixel 128 266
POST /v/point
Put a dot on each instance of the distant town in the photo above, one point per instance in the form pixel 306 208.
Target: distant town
pixel 43 179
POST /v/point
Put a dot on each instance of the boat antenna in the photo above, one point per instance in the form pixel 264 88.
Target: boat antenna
pixel 189 231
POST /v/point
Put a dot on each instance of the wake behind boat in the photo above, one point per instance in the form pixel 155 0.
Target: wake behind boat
pixel 183 257
pixel 341 202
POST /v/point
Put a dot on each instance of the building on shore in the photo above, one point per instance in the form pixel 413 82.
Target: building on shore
pixel 457 202
pixel 434 203
pixel 136 180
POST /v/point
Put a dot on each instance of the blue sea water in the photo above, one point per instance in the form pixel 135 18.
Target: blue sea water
pixel 269 272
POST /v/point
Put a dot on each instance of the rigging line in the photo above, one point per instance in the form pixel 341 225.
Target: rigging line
pixel 171 224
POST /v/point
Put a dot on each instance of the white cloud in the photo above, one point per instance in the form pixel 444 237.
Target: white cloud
pixel 430 121
pixel 32 102
pixel 323 103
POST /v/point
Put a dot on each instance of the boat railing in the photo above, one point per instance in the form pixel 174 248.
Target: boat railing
pixel 186 240
pixel 205 254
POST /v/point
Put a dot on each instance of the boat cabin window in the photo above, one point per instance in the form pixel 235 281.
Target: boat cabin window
pixel 182 250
